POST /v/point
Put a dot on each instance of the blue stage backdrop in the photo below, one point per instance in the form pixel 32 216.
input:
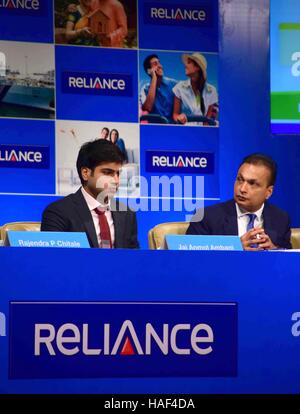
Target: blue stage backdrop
pixel 85 71
pixel 65 73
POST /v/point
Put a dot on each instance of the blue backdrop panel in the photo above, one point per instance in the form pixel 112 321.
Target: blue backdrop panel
pixel 31 23
pixel 28 180
pixel 180 138
pixel 172 32
pixel 268 345
pixel 244 90
pixel 16 207
pixel 87 104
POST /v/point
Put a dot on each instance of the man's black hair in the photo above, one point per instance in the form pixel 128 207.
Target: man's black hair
pixel 266 161
pixel 147 64
pixel 97 152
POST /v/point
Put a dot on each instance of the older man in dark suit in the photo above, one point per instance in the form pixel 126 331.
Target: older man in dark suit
pixel 260 225
pixel 92 209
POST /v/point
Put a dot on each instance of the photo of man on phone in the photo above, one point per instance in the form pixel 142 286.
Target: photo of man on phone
pixel 156 96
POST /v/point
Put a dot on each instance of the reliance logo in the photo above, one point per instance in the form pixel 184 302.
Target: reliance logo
pixel 201 337
pixel 178 14
pixel 20 4
pixel 120 339
pixel 97 84
pixel 180 162
pixel 24 156
pixel 23 7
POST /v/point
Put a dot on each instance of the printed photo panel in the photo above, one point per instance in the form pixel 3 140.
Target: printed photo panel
pixel 109 23
pixel 70 135
pixel 27 80
pixel 178 88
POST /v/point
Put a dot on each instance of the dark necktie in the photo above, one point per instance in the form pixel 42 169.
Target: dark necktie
pixel 105 236
pixel 202 105
pixel 250 225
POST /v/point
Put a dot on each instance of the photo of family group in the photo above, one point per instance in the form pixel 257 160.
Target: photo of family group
pixel 178 88
pixel 105 23
pixel 70 135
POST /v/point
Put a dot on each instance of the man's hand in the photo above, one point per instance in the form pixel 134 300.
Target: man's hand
pixel 151 72
pixel 180 118
pixel 212 111
pixel 85 32
pixel 151 95
pixel 265 243
pixel 258 237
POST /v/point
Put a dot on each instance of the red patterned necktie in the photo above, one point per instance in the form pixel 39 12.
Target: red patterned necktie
pixel 105 236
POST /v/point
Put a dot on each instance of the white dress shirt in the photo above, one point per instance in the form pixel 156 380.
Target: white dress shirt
pixel 189 105
pixel 243 219
pixel 92 204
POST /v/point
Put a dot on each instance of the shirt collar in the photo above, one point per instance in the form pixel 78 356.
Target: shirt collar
pixel 164 80
pixel 188 84
pixel 242 213
pixel 92 202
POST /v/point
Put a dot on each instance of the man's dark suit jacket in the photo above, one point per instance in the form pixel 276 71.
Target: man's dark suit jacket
pixel 72 214
pixel 221 219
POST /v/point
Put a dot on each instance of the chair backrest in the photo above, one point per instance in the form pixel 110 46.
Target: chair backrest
pixel 295 238
pixel 20 226
pixel 157 234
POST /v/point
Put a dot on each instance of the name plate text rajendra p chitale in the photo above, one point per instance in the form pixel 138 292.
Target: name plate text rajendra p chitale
pixel 46 239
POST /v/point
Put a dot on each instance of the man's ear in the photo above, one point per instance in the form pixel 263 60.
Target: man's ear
pixel 269 191
pixel 85 173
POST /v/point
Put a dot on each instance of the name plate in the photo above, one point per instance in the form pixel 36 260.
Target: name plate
pixel 197 242
pixel 46 239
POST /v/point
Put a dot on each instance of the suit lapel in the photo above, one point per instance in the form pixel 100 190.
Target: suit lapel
pixel 230 222
pixel 119 223
pixel 268 226
pixel 86 218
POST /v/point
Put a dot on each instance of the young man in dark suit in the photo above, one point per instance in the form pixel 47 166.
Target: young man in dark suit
pixel 92 209
pixel 260 225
